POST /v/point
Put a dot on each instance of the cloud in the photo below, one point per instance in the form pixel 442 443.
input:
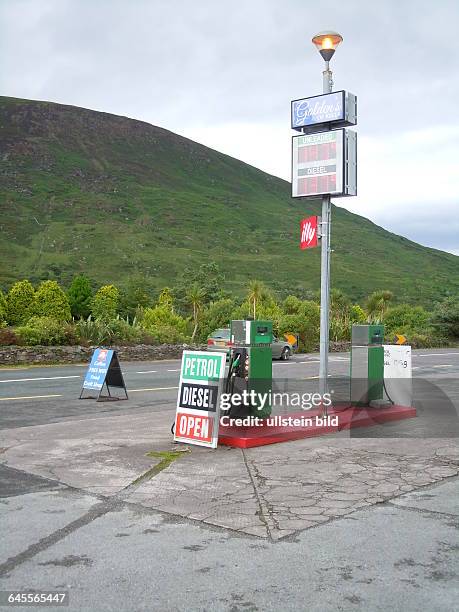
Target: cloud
pixel 224 74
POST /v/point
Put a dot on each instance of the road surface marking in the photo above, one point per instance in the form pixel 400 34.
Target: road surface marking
pixel 315 377
pixel 25 397
pixel 446 365
pixel 174 370
pixel 147 372
pixel 154 389
pixel 434 354
pixel 44 378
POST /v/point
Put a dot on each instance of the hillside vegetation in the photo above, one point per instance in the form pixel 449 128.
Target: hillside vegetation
pixel 116 199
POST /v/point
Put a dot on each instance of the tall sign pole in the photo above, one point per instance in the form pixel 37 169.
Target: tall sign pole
pixel 325 267
pixel 324 163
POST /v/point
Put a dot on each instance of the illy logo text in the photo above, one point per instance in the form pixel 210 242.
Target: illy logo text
pixel 308 233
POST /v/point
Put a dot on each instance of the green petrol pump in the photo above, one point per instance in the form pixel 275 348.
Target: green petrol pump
pixel 250 367
pixel 367 364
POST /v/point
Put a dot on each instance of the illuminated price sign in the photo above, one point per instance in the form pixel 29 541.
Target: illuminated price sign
pixel 318 164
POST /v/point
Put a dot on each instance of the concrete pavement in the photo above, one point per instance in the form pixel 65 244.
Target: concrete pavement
pixel 332 523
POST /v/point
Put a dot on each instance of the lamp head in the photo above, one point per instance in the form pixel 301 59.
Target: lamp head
pixel 326 43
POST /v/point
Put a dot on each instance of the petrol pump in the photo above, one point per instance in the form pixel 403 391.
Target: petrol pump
pixel 367 364
pixel 250 366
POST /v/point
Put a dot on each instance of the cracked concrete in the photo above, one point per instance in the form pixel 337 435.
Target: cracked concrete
pixel 270 492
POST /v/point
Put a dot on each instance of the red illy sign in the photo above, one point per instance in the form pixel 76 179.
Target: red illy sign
pixel 309 232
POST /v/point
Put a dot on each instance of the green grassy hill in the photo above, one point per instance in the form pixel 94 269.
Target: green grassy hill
pixel 84 191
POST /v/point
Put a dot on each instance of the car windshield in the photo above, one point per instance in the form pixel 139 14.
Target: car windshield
pixel 222 334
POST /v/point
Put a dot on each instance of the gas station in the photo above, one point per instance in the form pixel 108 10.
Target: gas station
pixel 324 164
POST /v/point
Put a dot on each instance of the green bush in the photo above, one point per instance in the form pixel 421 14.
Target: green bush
pixel 407 320
pixel 79 295
pixel 219 314
pixel 305 323
pixel 105 303
pixel 445 317
pixel 133 300
pixel 51 302
pixel 357 314
pixel 167 334
pixel 162 316
pixel 20 302
pixel 291 305
pixel 45 331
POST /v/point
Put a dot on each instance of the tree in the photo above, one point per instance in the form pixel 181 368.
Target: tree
pixel 377 304
pixel 257 291
pixel 105 304
pixel 79 295
pixel 134 299
pixel 195 297
pixel 164 324
pixel 52 302
pixel 291 305
pixel 445 317
pixel 305 323
pixel 207 277
pixel 20 302
pixel 218 314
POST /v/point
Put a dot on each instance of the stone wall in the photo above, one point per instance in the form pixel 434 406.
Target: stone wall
pixel 16 355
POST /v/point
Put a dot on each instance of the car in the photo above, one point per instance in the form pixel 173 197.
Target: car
pixel 220 341
pixel 281 349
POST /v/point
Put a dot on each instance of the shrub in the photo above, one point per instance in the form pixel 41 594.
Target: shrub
pixel 79 295
pixel 445 317
pixel 408 320
pixel 164 325
pixel 305 324
pixel 357 314
pixel 45 331
pixel 134 299
pixel 291 305
pixel 20 302
pixel 167 334
pixel 215 316
pixel 105 303
pixel 51 302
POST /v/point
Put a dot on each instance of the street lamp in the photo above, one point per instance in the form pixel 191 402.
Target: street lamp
pixel 326 43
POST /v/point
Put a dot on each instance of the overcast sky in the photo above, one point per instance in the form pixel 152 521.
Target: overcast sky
pixel 223 73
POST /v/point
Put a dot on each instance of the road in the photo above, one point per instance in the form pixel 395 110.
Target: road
pixel 40 395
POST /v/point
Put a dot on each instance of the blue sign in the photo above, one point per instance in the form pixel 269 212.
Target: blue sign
pixel 318 109
pixel 98 368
